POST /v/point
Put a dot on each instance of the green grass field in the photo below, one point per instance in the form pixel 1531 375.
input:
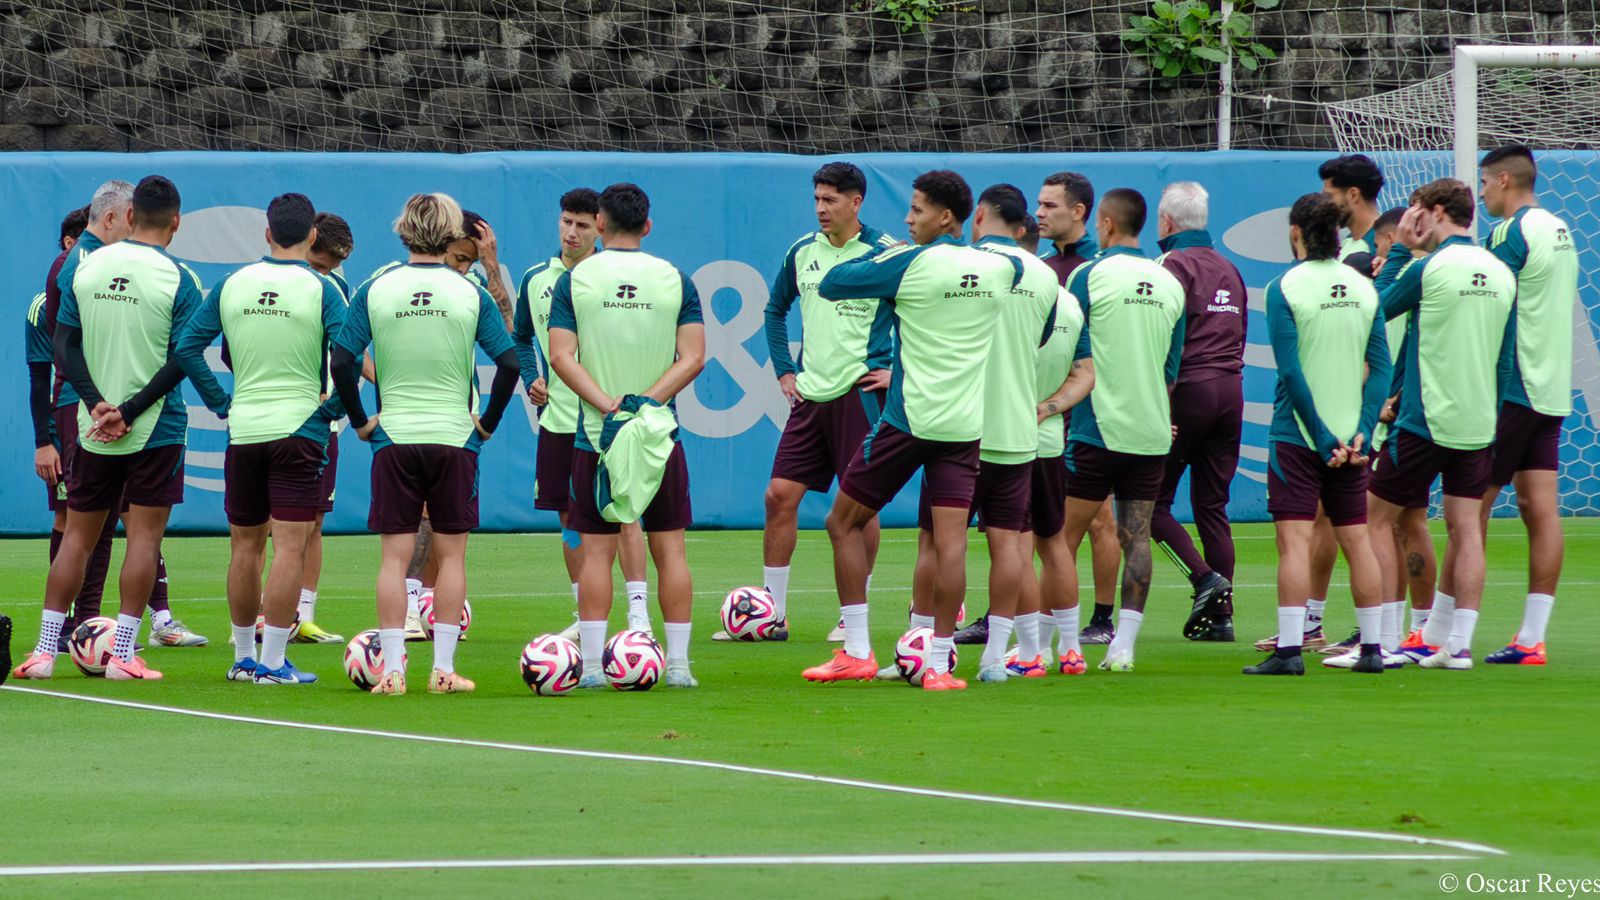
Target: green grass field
pixel 1498 757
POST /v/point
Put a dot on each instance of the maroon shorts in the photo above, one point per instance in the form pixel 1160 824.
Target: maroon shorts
pixel 151 477
pixel 1409 464
pixel 279 479
pixel 888 458
pixel 1524 439
pixel 330 477
pixel 670 510
pixel 1297 480
pixel 1047 505
pixel 552 471
pixel 999 499
pixel 408 477
pixel 66 420
pixel 1095 473
pixel 820 439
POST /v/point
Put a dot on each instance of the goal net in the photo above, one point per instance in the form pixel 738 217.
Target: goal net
pixel 1554 109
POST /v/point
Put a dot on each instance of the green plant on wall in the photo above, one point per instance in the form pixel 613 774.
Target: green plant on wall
pixel 914 14
pixel 1190 38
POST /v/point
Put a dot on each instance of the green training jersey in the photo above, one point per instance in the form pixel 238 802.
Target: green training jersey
pixel 1133 326
pixel 625 306
pixel 88 242
pixel 1027 316
pixel 1366 243
pixel 946 304
pixel 531 335
pixel 37 347
pixel 422 320
pixel 1055 364
pixel 278 318
pixel 131 301
pixel 1459 300
pixel 1537 247
pixel 1327 333
pixel 841 340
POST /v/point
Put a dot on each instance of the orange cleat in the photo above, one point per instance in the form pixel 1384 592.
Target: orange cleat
pixel 37 667
pixel 441 682
pixel 942 681
pixel 843 667
pixel 392 684
pixel 1029 668
pixel 1072 663
pixel 130 670
pixel 1517 654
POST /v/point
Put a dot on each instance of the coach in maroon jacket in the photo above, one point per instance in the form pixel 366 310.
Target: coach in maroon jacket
pixel 1207 407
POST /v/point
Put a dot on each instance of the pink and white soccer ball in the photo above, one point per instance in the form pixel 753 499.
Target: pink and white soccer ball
pixel 363 660
pixel 551 665
pixel 913 654
pixel 425 613
pixel 749 614
pixel 90 645
pixel 294 627
pixel 633 661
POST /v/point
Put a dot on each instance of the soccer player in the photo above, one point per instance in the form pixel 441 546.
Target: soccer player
pixel 1029 239
pixel 1207 408
pixel 558 417
pixel 836 390
pixel 946 303
pixel 1119 437
pixel 278 317
pixel 1327 327
pixel 1537 384
pixel 626 333
pixel 422 319
pixel 1461 297
pixel 479 246
pixel 119 319
pixel 1352 182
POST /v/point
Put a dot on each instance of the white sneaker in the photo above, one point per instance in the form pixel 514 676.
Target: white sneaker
pixel 591 680
pixel 640 623
pixel 994 672
pixel 837 634
pixel 414 630
pixel 720 635
pixel 1119 661
pixel 678 676
pixel 1443 660
pixel 571 631
pixel 889 673
pixel 1347 660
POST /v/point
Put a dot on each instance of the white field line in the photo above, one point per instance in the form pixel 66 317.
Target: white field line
pixel 634 862
pixel 1206 821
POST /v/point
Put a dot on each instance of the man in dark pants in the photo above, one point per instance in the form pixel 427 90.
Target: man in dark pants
pixel 1207 408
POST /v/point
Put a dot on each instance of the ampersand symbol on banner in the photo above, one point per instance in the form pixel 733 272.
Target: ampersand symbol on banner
pixel 725 347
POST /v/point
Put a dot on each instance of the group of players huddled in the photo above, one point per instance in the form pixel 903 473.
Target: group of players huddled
pixel 1028 390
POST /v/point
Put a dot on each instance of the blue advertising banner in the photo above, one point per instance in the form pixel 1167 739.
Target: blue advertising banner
pixel 726 219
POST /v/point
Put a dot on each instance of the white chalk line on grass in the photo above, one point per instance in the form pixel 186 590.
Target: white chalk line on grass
pixel 1206 821
pixel 634 862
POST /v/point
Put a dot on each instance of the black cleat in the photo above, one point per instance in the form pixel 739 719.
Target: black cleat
pixel 1097 633
pixel 1219 630
pixel 1370 661
pixel 62 645
pixel 1344 646
pixel 976 633
pixel 1279 665
pixel 780 631
pixel 5 649
pixel 1213 600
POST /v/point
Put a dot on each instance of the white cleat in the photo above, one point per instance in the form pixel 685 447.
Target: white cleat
pixel 837 634
pixel 678 676
pixel 994 672
pixel 414 630
pixel 1442 660
pixel 640 623
pixel 889 673
pixel 571 631
pixel 591 680
pixel 1117 662
pixel 1347 660
pixel 720 635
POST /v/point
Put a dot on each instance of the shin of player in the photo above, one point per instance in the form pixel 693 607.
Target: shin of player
pixel 637 320
pixel 423 321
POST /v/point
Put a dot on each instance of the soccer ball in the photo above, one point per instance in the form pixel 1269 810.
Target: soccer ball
pixel 913 654
pixel 90 645
pixel 294 627
pixel 749 614
pixel 425 613
pixel 363 660
pixel 632 661
pixel 551 665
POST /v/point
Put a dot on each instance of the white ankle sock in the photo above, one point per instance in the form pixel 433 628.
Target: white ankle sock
pixel 1394 611
pixel 127 633
pixel 994 651
pixel 678 642
pixel 160 618
pixel 941 653
pixel 638 598
pixel 1314 610
pixel 244 642
pixel 592 641
pixel 1291 625
pixel 776 580
pixel 50 623
pixel 921 621
pixel 308 606
pixel 393 643
pixel 1466 620
pixel 1441 621
pixel 1535 619
pixel 274 641
pixel 1370 620
pixel 445 638
pixel 1419 618
pixel 413 595
pixel 1128 623
pixel 1027 636
pixel 857 641
pixel 1067 629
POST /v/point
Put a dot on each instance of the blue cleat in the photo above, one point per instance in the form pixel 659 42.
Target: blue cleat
pixel 286 675
pixel 243 670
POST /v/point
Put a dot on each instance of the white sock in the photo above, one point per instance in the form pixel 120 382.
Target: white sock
pixel 776 581
pixel 413 594
pixel 274 641
pixel 160 618
pixel 50 623
pixel 1441 621
pixel 638 598
pixel 1128 623
pixel 1370 620
pixel 574 593
pixel 1047 631
pixel 445 638
pixel 1314 610
pixel 1292 625
pixel 1394 612
pixel 122 642
pixel 592 641
pixel 244 642
pixel 1466 620
pixel 308 606
pixel 999 639
pixel 921 621
pixel 1027 636
pixel 1419 618
pixel 857 642
pixel 1067 629
pixel 678 642
pixel 941 653
pixel 1535 619
pixel 393 643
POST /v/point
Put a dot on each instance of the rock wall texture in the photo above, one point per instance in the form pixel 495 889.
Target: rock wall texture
pixel 795 76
